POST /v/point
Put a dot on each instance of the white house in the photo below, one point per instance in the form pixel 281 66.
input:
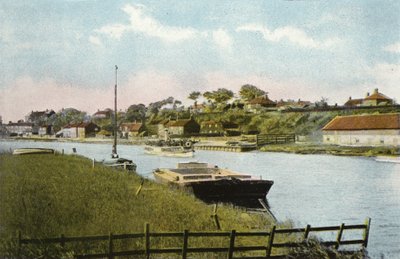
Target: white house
pixel 363 130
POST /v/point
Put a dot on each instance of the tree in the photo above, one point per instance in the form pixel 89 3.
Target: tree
pixel 220 96
pixel 248 92
pixel 136 112
pixel 194 96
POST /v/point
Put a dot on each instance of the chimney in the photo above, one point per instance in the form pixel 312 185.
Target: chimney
pixel 375 90
pixel 367 94
pixel 349 97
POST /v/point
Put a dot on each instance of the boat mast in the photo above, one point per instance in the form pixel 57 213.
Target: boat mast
pixel 114 148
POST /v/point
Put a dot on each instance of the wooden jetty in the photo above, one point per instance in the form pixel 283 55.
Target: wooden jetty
pixel 227 148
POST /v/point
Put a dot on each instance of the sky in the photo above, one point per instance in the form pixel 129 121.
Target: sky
pixel 58 54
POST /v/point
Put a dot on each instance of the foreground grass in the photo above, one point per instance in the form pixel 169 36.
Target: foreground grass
pixel 332 150
pixel 46 195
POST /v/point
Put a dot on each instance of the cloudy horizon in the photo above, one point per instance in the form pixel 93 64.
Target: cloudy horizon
pixel 59 54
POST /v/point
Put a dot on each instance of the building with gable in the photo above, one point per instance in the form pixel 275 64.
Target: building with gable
pixel 363 130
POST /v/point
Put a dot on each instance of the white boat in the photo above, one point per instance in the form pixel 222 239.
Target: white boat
pixel 169 151
pixel 29 151
pixel 388 159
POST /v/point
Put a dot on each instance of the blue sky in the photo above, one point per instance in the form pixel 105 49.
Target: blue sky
pixel 62 53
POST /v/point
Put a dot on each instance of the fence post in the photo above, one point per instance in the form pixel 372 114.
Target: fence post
pixel 185 243
pixel 306 232
pixel 271 241
pixel 110 246
pixel 147 240
pixel 215 216
pixel 366 232
pixel 140 187
pixel 339 236
pixel 231 244
pixel 19 241
pixel 62 240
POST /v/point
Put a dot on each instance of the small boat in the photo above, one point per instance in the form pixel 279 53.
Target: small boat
pixel 170 151
pixel 388 159
pixel 29 151
pixel 214 184
pixel 120 163
pixel 115 161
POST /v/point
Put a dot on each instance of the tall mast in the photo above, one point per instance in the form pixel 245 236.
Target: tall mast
pixel 114 150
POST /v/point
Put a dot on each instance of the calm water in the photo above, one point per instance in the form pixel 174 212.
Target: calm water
pixel 309 189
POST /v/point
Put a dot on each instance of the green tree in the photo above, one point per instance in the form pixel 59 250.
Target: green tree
pixel 219 97
pixel 248 92
pixel 194 96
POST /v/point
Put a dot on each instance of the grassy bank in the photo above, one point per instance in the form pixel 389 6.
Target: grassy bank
pixel 332 150
pixel 49 195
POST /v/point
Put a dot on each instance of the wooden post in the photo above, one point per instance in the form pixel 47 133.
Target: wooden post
pixel 62 240
pixel 93 161
pixel 339 236
pixel 231 244
pixel 140 187
pixel 185 243
pixel 306 232
pixel 110 246
pixel 147 240
pixel 62 152
pixel 19 242
pixel 366 232
pixel 215 216
pixel 271 241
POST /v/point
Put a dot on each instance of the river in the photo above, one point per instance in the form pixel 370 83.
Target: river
pixel 318 190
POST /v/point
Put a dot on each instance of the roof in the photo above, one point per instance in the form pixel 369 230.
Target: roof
pixel 179 123
pixel 263 100
pixel 377 96
pixel 79 125
pixel 132 126
pixel 211 122
pixel 19 124
pixel 353 102
pixel 365 122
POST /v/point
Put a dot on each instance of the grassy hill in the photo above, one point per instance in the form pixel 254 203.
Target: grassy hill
pixel 46 195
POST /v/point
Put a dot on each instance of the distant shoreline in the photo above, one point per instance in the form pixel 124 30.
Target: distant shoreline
pixel 295 148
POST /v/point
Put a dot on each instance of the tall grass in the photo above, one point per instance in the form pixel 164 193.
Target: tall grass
pixel 45 196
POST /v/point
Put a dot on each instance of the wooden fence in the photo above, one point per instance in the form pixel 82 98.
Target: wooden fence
pixel 265 139
pixel 268 241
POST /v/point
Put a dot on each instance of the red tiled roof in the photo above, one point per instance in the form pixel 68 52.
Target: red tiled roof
pixel 377 96
pixel 132 126
pixel 364 122
pixel 353 102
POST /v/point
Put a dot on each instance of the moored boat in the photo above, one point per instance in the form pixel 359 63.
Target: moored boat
pixel 214 184
pixel 170 151
pixel 388 159
pixel 28 151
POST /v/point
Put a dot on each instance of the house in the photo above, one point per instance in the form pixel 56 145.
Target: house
pixel 260 103
pixel 162 129
pixel 106 114
pixel 19 128
pixel 291 104
pixel 183 127
pixel 80 130
pixel 363 130
pixel 211 128
pixel 197 108
pixel 375 99
pixel 131 129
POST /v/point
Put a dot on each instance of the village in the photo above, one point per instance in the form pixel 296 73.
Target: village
pixel 369 121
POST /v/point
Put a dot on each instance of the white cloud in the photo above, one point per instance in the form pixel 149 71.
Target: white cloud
pixel 222 39
pixel 143 23
pixel 290 33
pixel 95 40
pixel 394 48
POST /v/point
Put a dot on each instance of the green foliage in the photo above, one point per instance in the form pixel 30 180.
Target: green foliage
pixel 248 92
pixel 219 97
pixel 194 95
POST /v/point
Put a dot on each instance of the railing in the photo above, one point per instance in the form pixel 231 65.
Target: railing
pixel 265 139
pixel 265 246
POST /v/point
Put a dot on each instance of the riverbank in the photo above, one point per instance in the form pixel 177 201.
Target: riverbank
pixel 295 148
pixel 46 195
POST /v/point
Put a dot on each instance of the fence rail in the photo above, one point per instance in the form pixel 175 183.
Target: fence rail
pixel 265 248
pixel 266 139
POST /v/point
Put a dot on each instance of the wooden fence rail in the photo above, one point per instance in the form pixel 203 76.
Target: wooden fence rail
pixel 266 139
pixel 265 247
